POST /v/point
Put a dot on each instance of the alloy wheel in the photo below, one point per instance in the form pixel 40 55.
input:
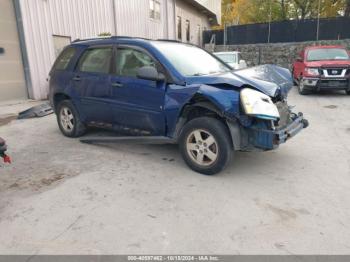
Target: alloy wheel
pixel 67 119
pixel 202 147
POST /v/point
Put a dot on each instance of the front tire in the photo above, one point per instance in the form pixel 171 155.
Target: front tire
pixel 347 92
pixel 68 119
pixel 301 87
pixel 205 145
pixel 294 80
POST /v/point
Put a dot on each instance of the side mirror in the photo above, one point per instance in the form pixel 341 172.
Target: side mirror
pixel 149 73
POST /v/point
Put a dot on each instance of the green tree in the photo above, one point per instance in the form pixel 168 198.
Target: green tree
pixel 227 14
pixel 347 9
pixel 262 11
pixel 304 9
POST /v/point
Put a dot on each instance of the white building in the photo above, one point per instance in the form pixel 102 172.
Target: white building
pixel 33 32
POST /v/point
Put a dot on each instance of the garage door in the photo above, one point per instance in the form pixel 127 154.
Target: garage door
pixel 12 84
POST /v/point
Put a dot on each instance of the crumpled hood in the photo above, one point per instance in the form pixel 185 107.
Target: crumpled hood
pixel 272 80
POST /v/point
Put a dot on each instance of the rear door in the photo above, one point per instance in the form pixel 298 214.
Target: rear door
pixel 92 83
pixel 137 103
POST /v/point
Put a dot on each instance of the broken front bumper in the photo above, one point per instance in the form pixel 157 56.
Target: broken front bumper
pixel 266 139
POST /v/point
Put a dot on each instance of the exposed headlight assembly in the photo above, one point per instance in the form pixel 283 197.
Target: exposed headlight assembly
pixel 258 105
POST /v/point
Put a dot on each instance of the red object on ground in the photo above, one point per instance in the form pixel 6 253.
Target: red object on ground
pixel 7 159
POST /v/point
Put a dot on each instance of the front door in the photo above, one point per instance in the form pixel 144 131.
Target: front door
pixel 137 103
pixel 299 66
pixel 92 83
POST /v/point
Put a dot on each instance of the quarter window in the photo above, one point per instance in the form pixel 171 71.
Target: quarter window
pixel 96 60
pixel 129 60
pixel 64 59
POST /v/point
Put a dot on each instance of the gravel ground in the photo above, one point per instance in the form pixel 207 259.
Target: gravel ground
pixel 63 197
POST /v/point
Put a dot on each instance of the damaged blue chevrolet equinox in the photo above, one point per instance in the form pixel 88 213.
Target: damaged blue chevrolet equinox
pixel 176 92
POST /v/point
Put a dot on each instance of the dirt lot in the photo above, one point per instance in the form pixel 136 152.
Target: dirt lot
pixel 64 197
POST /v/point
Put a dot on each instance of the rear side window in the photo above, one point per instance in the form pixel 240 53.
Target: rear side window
pixel 96 60
pixel 64 58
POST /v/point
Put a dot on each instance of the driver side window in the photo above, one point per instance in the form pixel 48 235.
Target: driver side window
pixel 129 60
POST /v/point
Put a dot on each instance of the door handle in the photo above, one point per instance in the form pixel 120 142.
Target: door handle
pixel 76 78
pixel 117 84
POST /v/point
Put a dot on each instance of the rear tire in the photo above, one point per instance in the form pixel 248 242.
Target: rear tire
pixel 68 119
pixel 205 145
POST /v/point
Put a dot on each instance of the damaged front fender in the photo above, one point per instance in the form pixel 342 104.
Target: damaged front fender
pixel 220 93
pixel 225 101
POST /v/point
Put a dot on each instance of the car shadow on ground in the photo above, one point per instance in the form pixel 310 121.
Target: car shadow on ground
pixel 241 163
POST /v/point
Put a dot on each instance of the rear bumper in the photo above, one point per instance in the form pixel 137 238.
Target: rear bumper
pixel 270 139
pixel 326 83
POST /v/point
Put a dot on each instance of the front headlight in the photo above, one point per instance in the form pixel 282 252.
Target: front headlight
pixel 258 104
pixel 312 71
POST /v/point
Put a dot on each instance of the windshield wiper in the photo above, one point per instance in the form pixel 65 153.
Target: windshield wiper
pixel 210 73
pixel 199 74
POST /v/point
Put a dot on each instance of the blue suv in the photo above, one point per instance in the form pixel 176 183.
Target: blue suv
pixel 174 91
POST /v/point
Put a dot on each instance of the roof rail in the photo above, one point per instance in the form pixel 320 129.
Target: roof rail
pixel 109 37
pixel 88 39
pixel 121 36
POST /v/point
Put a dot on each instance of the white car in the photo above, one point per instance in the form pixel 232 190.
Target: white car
pixel 232 58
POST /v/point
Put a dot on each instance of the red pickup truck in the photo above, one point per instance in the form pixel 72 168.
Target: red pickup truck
pixel 322 67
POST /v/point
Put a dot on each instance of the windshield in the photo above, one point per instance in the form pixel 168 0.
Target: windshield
pixel 227 58
pixel 327 54
pixel 190 60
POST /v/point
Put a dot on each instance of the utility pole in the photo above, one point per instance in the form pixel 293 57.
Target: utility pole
pixel 318 20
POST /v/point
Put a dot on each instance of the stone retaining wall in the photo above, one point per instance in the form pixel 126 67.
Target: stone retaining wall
pixel 282 54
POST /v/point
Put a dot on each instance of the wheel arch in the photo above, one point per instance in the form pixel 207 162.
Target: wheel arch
pixel 58 97
pixel 200 105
